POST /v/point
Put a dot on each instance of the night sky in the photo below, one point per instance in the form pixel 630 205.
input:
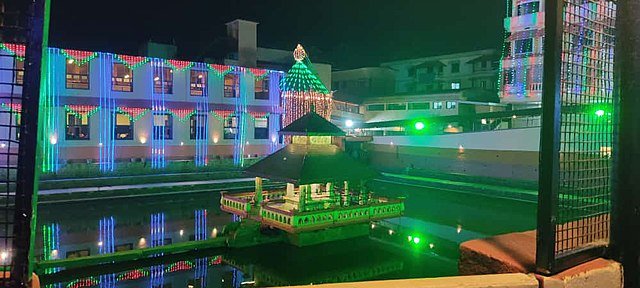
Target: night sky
pixel 345 33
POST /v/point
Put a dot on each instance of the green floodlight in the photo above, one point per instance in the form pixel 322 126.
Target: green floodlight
pixel 419 125
pixel 600 113
pixel 416 240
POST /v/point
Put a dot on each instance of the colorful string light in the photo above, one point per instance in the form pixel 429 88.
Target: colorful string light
pixel 179 266
pixel 14 49
pixel 84 282
pixel 158 141
pixel 131 62
pixel 302 89
pixel 134 114
pixel 132 275
pixel 106 115
pixel 82 110
pixel 220 70
pixel 179 65
pixel 78 57
pixel 182 114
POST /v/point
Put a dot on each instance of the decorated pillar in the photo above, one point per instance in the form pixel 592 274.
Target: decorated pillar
pixel 258 196
pixel 346 197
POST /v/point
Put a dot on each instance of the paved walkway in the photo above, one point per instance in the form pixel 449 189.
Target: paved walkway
pixel 139 186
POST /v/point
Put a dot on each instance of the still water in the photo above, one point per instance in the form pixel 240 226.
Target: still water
pixel 423 243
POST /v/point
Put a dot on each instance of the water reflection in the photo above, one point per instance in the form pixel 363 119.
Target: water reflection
pixel 424 243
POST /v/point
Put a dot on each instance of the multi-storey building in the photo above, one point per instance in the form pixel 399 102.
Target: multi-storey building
pixel 521 78
pixel 104 107
pixel 474 69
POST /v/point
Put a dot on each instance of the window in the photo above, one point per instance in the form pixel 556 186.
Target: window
pixel 163 80
pixel 262 89
pixel 77 76
pixel 19 72
pixel 375 107
pixel 198 126
pixel 124 127
pixel 230 127
pixel 121 78
pixel 528 8
pixel 78 253
pixel 198 84
pixel 231 86
pixel 455 67
pixel 77 127
pixel 524 46
pixel 483 64
pixel 451 104
pixel 124 247
pixel 483 84
pixel 455 86
pixel 162 126
pixel 419 106
pixel 507 76
pixel 397 106
pixel 261 128
pixel 437 105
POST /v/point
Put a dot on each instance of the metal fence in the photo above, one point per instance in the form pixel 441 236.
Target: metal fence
pixel 21 24
pixel 577 132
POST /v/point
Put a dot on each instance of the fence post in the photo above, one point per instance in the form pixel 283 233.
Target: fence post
pixel 549 138
pixel 625 221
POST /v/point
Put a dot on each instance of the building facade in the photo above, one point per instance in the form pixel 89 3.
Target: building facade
pixel 521 76
pixel 104 108
pixel 474 69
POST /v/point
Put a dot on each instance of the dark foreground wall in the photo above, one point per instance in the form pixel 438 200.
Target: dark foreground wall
pixel 520 165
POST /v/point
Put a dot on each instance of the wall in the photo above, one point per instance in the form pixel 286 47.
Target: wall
pixel 514 156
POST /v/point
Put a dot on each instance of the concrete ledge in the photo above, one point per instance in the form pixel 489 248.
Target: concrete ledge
pixel 593 274
pixel 509 253
pixel 480 281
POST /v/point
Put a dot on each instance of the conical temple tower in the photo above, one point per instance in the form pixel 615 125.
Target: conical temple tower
pixel 302 88
pixel 326 188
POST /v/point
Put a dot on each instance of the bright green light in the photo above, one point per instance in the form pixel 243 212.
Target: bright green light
pixel 419 125
pixel 416 240
pixel 409 238
pixel 600 113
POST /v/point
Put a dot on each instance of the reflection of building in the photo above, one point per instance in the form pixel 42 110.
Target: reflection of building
pixel 326 196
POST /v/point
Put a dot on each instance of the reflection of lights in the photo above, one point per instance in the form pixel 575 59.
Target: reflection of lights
pixel 248 283
pixel 390 232
pixel 449 126
pixel 459 229
pixel 142 242
pixel 348 123
pixel 190 286
pixel 181 232
pixel 460 149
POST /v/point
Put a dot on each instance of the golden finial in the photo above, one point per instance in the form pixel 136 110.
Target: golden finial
pixel 299 54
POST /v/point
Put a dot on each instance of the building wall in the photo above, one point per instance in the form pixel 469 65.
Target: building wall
pixel 475 154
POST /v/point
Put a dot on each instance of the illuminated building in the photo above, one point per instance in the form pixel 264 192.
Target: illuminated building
pixel 103 108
